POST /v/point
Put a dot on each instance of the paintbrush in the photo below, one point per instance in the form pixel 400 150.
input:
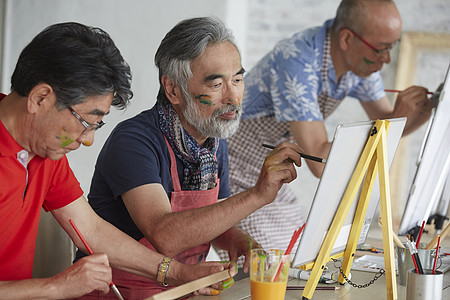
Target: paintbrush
pixel 305 156
pixel 288 251
pixel 112 285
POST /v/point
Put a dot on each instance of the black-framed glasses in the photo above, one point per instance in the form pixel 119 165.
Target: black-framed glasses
pixel 377 51
pixel 88 127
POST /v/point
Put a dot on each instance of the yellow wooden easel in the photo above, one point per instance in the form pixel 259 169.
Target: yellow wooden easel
pixel 373 159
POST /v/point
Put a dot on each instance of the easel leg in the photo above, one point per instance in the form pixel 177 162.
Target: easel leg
pixel 386 216
pixel 358 220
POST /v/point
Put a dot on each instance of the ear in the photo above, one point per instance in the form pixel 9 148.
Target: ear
pixel 172 90
pixel 41 96
pixel 345 39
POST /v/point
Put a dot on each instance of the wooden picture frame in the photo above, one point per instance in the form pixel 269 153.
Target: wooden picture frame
pixel 412 45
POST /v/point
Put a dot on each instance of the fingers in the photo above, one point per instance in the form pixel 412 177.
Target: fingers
pixel 285 172
pixel 208 291
pixel 282 159
pixel 413 103
pixel 233 254
pixel 99 258
pixel 416 95
pixel 227 283
pixel 247 255
pixel 415 90
pixel 97 269
pixel 216 288
pixel 278 168
pixel 187 273
pixel 91 273
pixel 285 152
pixel 231 266
pixel 246 265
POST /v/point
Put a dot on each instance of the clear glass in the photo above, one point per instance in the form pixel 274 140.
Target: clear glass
pixel 269 271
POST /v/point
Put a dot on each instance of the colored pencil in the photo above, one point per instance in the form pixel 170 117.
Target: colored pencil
pixel 112 285
pixel 299 288
pixel 398 91
pixel 305 156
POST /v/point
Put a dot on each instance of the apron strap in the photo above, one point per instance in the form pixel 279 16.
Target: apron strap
pixel 173 169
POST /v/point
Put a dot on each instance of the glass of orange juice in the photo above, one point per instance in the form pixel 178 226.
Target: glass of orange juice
pixel 268 274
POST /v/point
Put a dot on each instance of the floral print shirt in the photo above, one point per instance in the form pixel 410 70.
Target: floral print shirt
pixel 287 82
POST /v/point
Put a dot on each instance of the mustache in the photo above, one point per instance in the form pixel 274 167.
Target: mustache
pixel 229 108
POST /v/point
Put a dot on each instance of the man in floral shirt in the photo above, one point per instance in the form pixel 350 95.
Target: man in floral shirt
pixel 300 83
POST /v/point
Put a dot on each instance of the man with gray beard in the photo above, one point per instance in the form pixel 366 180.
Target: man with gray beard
pixel 162 176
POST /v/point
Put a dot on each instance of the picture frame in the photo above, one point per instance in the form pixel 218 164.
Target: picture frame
pixel 423 59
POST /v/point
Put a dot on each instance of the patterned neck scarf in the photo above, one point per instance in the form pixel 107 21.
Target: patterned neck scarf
pixel 200 164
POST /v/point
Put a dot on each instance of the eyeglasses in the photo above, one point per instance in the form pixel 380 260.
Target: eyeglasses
pixel 377 51
pixel 88 127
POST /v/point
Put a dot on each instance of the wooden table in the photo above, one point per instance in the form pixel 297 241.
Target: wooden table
pixel 241 290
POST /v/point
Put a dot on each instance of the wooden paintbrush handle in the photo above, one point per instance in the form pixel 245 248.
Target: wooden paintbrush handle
pixel 443 234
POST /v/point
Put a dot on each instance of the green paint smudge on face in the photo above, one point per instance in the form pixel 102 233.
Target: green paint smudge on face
pixel 205 99
pixel 65 140
pixel 367 61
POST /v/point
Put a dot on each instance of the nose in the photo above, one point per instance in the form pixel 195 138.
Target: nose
pixel 385 57
pixel 234 95
pixel 86 138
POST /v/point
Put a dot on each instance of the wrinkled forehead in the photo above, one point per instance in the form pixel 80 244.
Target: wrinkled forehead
pixel 220 58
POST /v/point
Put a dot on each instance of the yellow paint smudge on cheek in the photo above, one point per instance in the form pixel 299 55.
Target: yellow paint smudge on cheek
pixel 205 99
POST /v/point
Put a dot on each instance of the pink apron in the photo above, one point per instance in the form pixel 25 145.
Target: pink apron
pixel 137 287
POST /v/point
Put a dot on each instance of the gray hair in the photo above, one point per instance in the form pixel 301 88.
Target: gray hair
pixel 352 14
pixel 184 43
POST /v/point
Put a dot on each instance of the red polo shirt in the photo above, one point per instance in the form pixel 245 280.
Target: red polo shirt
pixel 51 185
